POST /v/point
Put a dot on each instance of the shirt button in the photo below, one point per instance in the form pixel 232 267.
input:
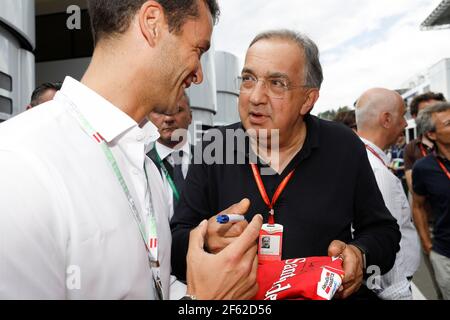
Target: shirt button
pixel 140 137
pixel 135 172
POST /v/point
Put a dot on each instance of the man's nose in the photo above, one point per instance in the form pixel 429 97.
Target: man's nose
pixel 258 95
pixel 169 118
pixel 198 75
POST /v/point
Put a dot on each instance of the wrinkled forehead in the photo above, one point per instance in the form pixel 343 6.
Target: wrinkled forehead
pixel 442 117
pixel 271 56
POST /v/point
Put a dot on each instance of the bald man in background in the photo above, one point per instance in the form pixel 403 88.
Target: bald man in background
pixel 380 121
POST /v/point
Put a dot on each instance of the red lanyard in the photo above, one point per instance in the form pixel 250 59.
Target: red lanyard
pixel 375 154
pixel 424 153
pixel 422 149
pixel 443 168
pixel 263 192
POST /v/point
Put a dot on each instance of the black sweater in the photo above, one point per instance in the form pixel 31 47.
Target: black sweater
pixel 333 189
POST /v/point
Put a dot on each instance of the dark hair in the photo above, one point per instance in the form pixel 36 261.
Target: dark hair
pixel 109 17
pixel 39 91
pixel 347 118
pixel 414 106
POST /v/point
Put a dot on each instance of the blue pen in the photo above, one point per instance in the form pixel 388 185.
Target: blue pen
pixel 230 218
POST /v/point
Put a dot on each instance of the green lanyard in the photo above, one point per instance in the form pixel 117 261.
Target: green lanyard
pixel 172 185
pixel 152 244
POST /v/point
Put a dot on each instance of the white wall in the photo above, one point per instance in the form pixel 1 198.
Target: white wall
pixel 439 75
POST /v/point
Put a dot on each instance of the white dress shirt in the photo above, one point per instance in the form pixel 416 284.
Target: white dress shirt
pixel 394 285
pixel 165 152
pixel 66 229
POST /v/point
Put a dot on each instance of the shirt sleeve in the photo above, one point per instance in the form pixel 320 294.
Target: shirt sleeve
pixel 32 264
pixel 386 186
pixel 376 230
pixel 394 284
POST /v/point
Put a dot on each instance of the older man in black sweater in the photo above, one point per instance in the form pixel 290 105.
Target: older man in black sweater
pixel 330 203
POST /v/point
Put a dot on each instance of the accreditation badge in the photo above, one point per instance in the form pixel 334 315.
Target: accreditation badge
pixel 270 243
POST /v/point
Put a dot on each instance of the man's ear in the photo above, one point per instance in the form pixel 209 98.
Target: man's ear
pixel 151 21
pixel 312 95
pixel 385 119
pixel 431 135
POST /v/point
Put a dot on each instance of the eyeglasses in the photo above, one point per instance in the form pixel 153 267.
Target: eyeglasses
pixel 275 87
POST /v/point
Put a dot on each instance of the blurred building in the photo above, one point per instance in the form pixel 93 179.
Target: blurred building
pixel 437 77
pixel 42 43
pixel 227 69
pixel 17 43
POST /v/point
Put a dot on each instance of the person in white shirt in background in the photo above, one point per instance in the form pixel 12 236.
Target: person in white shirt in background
pixel 172 151
pixel 83 213
pixel 380 120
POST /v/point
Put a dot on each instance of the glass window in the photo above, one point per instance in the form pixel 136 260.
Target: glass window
pixel 5 81
pixel 6 105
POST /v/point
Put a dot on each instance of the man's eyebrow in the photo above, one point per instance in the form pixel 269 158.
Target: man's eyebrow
pixel 277 75
pixel 247 70
pixel 268 74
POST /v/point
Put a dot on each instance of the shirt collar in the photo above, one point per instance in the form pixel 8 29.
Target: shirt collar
pixel 150 134
pixel 425 142
pixel 312 139
pixel 437 155
pixel 377 149
pixel 313 133
pixel 164 151
pixel 108 120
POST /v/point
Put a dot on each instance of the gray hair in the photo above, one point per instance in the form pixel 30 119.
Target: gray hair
pixel 313 68
pixel 425 122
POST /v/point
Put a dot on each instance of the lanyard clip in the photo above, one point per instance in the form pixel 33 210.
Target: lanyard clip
pixel 154 264
pixel 272 217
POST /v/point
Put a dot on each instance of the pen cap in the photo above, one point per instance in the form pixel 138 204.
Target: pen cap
pixel 223 219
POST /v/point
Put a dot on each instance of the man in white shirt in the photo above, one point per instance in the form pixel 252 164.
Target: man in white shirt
pixel 172 151
pixel 380 120
pixel 83 213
